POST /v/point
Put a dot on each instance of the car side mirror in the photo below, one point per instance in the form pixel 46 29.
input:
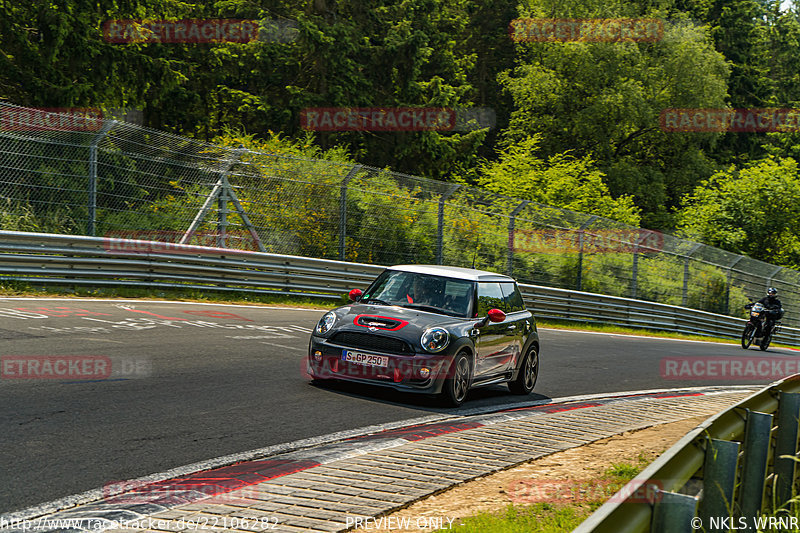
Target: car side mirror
pixel 496 315
pixel 355 295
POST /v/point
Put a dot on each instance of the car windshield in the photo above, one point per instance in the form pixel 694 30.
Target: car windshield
pixel 426 292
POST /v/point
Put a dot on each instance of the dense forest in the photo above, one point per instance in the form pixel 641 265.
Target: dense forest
pixel 579 121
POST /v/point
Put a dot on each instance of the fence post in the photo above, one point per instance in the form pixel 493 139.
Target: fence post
pixel 769 279
pixel 511 223
pixel 220 193
pixel 343 210
pixel 440 240
pixel 635 273
pixel 686 259
pixel 222 217
pixel 91 225
pixel 581 232
pixel 727 307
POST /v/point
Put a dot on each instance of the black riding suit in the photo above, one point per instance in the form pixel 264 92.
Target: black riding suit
pixel 774 310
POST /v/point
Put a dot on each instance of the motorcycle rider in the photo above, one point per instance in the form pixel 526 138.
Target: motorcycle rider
pixel 773 306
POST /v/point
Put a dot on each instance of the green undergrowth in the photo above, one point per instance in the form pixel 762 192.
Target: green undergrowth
pixel 563 514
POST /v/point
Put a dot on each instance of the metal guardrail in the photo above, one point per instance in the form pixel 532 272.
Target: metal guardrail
pixel 42 258
pixel 737 465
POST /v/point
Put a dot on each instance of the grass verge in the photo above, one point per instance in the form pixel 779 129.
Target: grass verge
pixel 567 508
pixel 13 289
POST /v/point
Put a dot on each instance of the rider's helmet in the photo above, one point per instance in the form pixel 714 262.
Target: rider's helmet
pixel 772 291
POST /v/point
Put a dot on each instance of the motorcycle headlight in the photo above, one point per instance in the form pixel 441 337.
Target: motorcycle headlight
pixel 435 339
pixel 326 322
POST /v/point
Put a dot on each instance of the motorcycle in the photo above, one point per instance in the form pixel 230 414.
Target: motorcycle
pixel 756 327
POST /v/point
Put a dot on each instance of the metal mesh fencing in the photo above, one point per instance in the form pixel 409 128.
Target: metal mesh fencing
pixel 62 174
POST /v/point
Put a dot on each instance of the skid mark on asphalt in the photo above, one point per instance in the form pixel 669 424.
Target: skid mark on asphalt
pixel 98 339
pixel 131 308
pixel 218 314
pixel 284 347
pixel 144 323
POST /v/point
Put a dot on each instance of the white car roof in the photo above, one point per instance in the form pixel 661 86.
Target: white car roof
pixel 453 272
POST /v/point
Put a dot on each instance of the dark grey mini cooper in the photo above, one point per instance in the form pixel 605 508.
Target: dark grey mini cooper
pixel 430 329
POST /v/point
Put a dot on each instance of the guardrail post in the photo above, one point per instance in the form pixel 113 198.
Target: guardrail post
pixel 511 223
pixel 686 259
pixel 440 238
pixel 672 512
pixel 754 468
pixel 91 224
pixel 343 210
pixel 785 446
pixel 719 480
pixel 581 232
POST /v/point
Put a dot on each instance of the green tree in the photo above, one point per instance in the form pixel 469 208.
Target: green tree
pixel 561 180
pixel 604 99
pixel 753 211
pixel 52 54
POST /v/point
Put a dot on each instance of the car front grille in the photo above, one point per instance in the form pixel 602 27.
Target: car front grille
pixel 368 341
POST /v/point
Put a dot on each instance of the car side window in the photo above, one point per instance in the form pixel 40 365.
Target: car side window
pixel 513 297
pixel 490 296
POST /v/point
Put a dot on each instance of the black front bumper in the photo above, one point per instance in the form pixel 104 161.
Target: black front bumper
pixel 402 373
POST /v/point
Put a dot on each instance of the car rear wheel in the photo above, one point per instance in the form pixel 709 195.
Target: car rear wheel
pixel 528 373
pixel 457 382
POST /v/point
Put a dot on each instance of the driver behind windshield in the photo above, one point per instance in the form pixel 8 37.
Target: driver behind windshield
pixel 421 292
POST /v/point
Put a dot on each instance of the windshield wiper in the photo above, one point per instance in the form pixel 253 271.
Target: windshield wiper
pixel 430 308
pixel 377 301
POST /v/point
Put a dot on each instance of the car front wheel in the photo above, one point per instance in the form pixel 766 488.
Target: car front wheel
pixel 528 373
pixel 457 382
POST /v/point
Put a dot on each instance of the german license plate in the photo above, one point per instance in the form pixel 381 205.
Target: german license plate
pixel 365 359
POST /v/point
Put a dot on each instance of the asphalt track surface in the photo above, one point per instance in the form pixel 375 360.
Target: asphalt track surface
pixel 178 383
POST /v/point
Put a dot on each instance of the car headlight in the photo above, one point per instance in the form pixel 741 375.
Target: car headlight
pixel 435 339
pixel 326 322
